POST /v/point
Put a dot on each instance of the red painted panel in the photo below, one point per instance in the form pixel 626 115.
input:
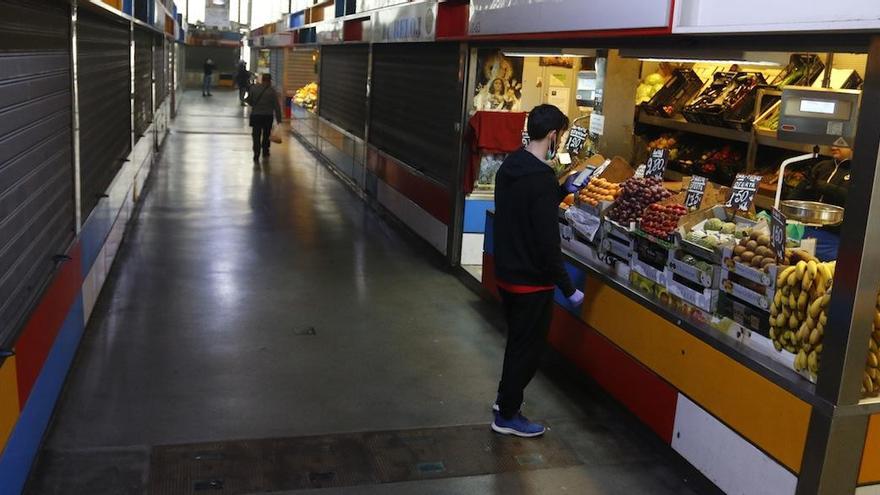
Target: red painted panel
pixel 640 390
pixel 452 19
pixel 353 30
pixel 489 275
pixel 430 196
pixel 41 329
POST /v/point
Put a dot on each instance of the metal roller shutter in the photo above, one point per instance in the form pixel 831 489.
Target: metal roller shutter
pixel 160 68
pixel 416 104
pixel 344 86
pixel 300 68
pixel 103 70
pixel 143 92
pixel 36 176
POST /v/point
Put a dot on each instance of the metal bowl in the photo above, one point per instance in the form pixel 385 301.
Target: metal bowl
pixel 812 212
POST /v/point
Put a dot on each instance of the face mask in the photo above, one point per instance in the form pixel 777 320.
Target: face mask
pixel 551 151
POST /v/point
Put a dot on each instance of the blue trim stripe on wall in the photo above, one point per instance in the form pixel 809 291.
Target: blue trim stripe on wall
pixel 24 443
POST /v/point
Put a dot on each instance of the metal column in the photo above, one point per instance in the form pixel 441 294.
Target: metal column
pixel 834 443
pixel 74 111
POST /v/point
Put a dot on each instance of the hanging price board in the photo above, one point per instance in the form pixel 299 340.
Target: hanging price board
pixel 577 137
pixel 656 164
pixel 525 138
pixel 696 190
pixel 777 233
pixel 743 194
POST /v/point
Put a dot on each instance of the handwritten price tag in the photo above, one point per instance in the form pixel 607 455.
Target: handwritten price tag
pixel 743 194
pixel 696 190
pixel 656 164
pixel 577 137
pixel 525 138
pixel 777 233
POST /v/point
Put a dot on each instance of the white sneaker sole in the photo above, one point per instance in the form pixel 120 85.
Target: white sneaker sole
pixel 517 433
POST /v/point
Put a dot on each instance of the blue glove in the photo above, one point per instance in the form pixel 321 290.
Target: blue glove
pixel 577 298
pixel 569 186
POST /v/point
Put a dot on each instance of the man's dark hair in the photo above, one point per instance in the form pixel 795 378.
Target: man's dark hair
pixel 544 119
pixel 267 77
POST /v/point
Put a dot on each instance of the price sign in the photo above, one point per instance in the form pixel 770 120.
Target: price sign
pixel 656 164
pixel 525 138
pixel 777 233
pixel 577 137
pixel 601 169
pixel 743 194
pixel 696 190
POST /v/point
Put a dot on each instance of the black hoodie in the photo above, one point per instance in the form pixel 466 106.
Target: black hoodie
pixel 527 250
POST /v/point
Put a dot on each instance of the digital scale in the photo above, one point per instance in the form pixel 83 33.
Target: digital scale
pixel 815 116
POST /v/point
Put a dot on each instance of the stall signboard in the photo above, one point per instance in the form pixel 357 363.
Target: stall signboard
pixel 777 233
pixel 300 5
pixel 695 192
pixel 330 32
pixel 577 137
pixel 412 22
pixel 656 164
pixel 743 193
pixel 217 15
pixel 365 5
pixel 753 16
pixel 492 17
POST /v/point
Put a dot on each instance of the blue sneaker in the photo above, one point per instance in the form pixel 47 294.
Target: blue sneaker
pixel 519 426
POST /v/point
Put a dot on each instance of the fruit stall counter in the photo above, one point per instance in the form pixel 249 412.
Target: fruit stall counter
pixel 715 390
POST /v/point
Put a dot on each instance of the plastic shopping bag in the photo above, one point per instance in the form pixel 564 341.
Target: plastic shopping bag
pixel 275 136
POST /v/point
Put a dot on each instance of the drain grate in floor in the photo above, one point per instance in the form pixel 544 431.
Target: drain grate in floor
pixel 354 459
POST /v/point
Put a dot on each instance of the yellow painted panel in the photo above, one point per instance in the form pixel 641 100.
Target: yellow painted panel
pixel 757 409
pixel 9 407
pixel 870 472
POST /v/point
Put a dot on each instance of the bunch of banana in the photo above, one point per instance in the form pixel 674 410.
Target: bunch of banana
pixel 796 321
pixel 871 380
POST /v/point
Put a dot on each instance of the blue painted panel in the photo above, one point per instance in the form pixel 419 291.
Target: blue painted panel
pixel 489 238
pixel 475 215
pixel 579 278
pixel 297 20
pixel 24 443
pixel 127 7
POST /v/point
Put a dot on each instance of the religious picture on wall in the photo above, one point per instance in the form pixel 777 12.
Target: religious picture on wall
pixel 567 62
pixel 499 82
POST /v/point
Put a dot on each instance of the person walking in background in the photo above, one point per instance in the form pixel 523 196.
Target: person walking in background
pixel 208 76
pixel 528 262
pixel 265 106
pixel 243 81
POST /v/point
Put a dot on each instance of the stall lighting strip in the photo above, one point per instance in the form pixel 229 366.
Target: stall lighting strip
pixel 717 62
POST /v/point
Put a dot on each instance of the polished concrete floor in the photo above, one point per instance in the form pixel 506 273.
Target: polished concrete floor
pixel 272 302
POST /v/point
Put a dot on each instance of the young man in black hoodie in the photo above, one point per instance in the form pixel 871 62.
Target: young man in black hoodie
pixel 528 262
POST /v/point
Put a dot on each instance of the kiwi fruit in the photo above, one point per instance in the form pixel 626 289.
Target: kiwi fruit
pixel 752 245
pixel 737 259
pixel 747 256
pixel 739 250
pixel 767 261
pixel 763 251
pixel 757 260
pixel 764 240
pixel 754 236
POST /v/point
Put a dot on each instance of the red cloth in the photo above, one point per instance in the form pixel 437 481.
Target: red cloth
pixel 524 289
pixel 492 132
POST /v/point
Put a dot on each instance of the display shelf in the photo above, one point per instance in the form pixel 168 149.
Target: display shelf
pixel 760 363
pixel 679 124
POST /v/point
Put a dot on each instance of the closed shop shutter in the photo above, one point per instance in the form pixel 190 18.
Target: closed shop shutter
pixel 160 66
pixel 344 86
pixel 143 92
pixel 300 69
pixel 416 104
pixel 103 65
pixel 36 173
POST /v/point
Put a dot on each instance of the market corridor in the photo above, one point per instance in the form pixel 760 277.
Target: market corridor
pixel 277 322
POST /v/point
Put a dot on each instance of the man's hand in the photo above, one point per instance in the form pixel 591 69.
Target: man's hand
pixel 577 298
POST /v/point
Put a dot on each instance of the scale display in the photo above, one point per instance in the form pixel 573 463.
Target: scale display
pixel 819 116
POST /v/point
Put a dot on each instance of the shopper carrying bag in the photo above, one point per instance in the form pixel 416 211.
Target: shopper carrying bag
pixel 265 107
